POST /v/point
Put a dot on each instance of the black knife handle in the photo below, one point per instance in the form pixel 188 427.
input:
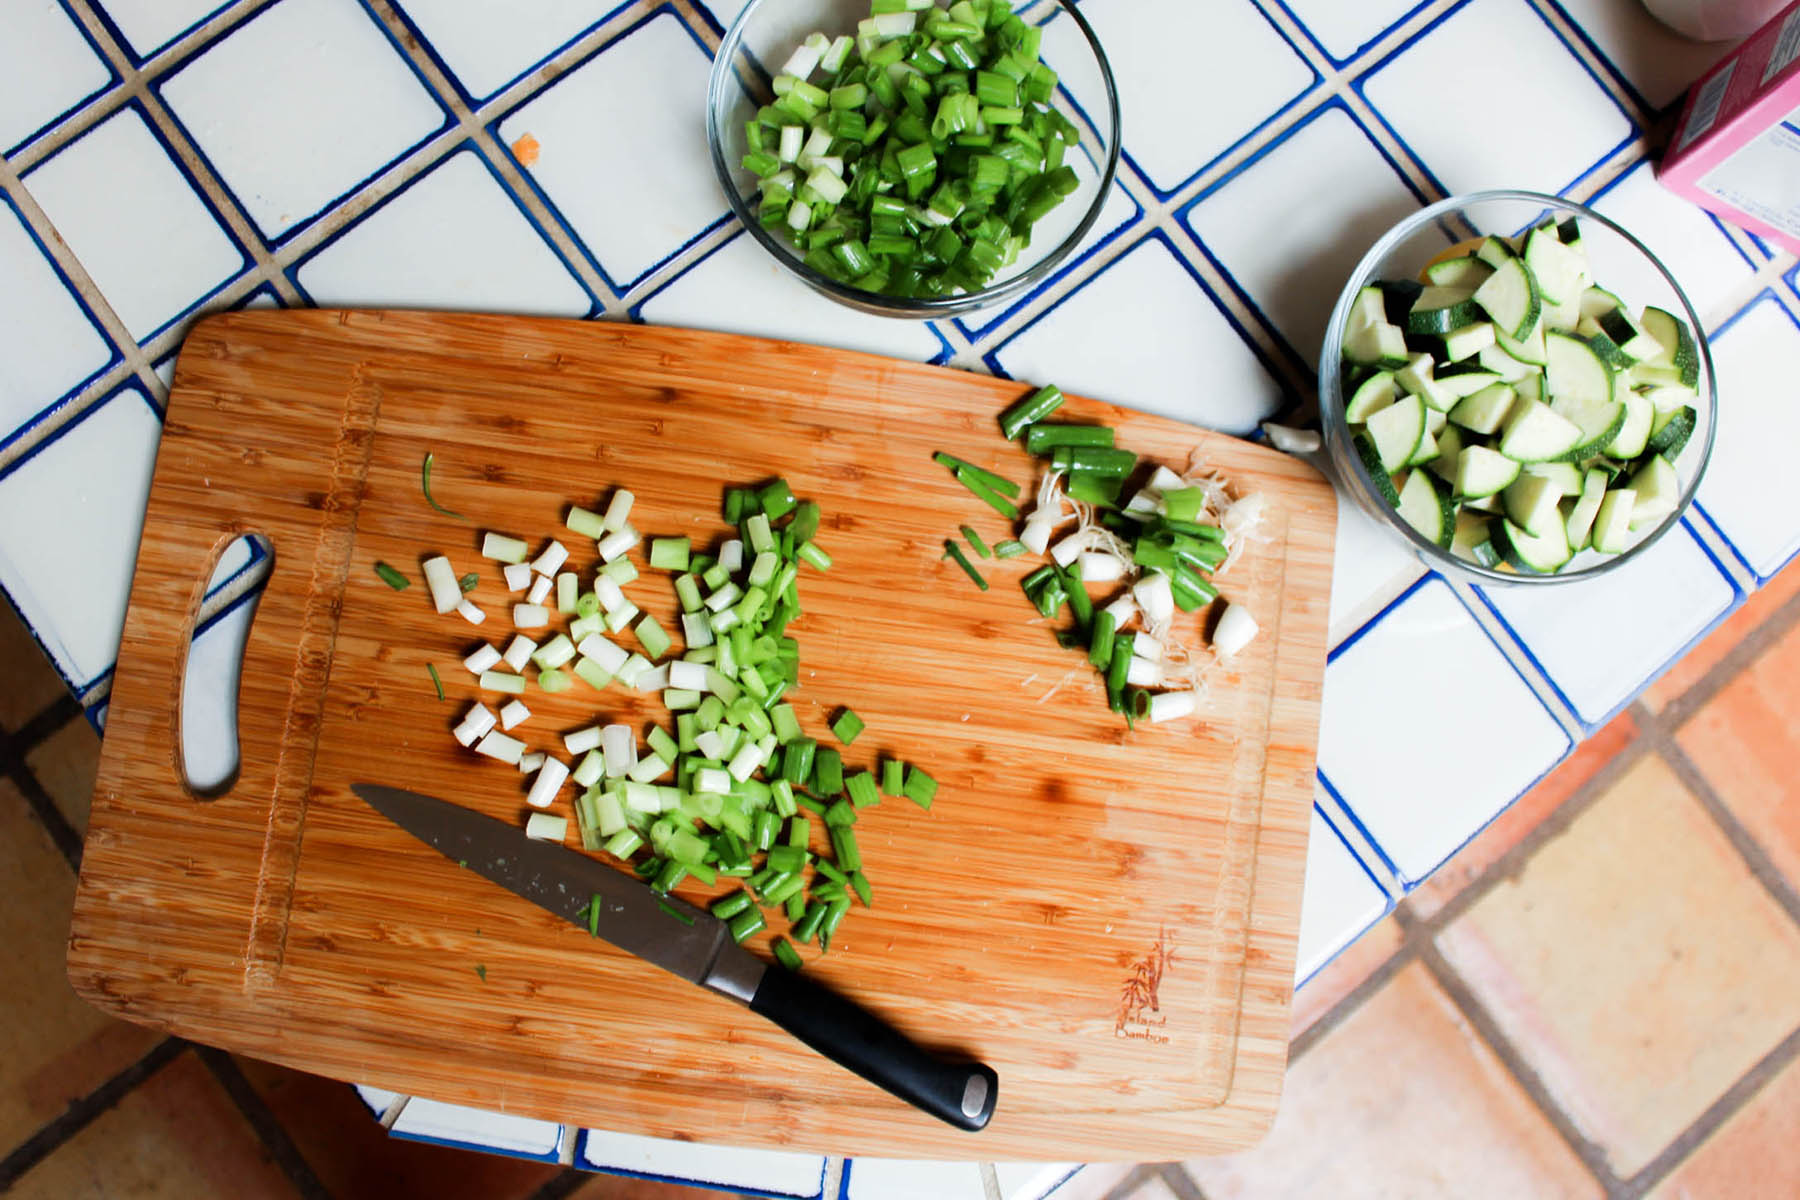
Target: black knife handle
pixel 962 1094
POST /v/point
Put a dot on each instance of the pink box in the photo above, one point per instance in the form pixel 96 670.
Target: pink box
pixel 1736 149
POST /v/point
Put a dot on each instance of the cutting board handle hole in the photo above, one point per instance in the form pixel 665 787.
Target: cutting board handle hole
pixel 207 729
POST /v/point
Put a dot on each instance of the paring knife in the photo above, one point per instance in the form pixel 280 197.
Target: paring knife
pixel 695 945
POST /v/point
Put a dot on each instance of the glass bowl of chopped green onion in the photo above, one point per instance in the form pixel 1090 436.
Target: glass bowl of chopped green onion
pixel 910 158
pixel 1516 387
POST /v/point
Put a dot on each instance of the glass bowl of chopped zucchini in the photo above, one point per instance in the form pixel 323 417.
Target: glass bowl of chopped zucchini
pixel 914 158
pixel 1516 386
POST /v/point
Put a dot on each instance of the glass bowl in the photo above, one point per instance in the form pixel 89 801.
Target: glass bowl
pixel 1620 264
pixel 767 31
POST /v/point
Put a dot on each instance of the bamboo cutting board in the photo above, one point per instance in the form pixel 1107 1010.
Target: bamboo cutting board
pixel 1107 918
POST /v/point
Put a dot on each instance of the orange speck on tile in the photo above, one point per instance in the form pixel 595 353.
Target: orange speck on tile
pixel 526 150
pixel 1526 814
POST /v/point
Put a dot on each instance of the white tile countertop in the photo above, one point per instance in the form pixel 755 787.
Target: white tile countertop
pixel 164 158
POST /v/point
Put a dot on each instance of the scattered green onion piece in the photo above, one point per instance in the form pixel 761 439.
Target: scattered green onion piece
pixel 469 582
pixel 1010 548
pixel 1096 489
pixel 553 680
pixel 843 845
pixel 425 486
pixel 860 883
pixel 810 554
pixel 776 499
pixel 1100 640
pixel 828 772
pixel 594 915
pixel 1093 460
pixel 786 955
pixel 1033 408
pixel 808 926
pixel 805 523
pixel 1183 504
pixel 847 726
pixel 669 554
pixel 952 550
pixel 893 777
pixel 862 790
pixel 993 482
pixel 1117 669
pixel 435 681
pixel 974 540
pixel 686 919
pixel 920 788
pixel 392 578
pixel 1042 438
pixel 987 495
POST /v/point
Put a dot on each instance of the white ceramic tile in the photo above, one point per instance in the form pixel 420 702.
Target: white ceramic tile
pixel 149 25
pixel 300 105
pixel 46 68
pixel 1032 1181
pixel 740 288
pixel 376 1098
pixel 488 45
pixel 1426 731
pixel 1339 903
pixel 1601 640
pixel 454 239
pixel 1440 95
pixel 1682 235
pixel 1654 59
pixel 69 521
pixel 904 1179
pixel 1116 212
pixel 1144 333
pixel 1193 79
pixel 1291 258
pixel 138 226
pixel 1345 28
pixel 1759 426
pixel 48 345
pixel 775 1171
pixel 457 1123
pixel 1369 567
pixel 165 371
pixel 209 692
pixel 616 181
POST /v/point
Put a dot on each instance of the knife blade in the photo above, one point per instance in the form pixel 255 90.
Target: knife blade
pixel 692 943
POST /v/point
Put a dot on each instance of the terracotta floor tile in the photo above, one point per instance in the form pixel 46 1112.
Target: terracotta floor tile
pixel 1402 1099
pixel 1746 741
pixel 53 1047
pixel 66 763
pixel 1526 814
pixel 1753 1154
pixel 1343 974
pixel 178 1135
pixel 31 682
pixel 1722 641
pixel 355 1159
pixel 1636 964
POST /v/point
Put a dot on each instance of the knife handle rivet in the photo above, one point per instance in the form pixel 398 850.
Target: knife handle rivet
pixel 974 1097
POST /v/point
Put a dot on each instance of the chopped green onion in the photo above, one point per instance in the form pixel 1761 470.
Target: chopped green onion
pixel 391 577
pixel 847 726
pixel 862 790
pixel 828 772
pixel 987 495
pixel 1033 408
pixel 991 481
pixel 920 787
pixel 786 955
pixel 808 925
pixel 435 681
pixel 469 582
pixel 1093 460
pixel 669 554
pixel 1042 438
pixel 860 883
pixel 813 556
pixel 425 486
pixel 952 550
pixel 687 919
pixel 893 777
pixel 553 680
pixel 1009 549
pixel 974 540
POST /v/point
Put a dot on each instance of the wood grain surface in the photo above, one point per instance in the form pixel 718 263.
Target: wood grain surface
pixel 1107 917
